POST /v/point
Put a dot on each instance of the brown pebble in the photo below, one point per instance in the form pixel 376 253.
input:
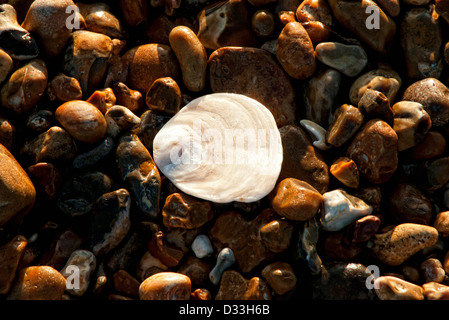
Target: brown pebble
pixel 82 120
pixel 164 95
pixel 347 120
pixel 63 88
pixel 435 291
pixel 134 11
pixel 345 170
pixel 393 288
pixel 48 176
pixel 441 223
pixel 432 145
pixel 277 234
pixel 432 270
pixel 280 277
pixel 165 286
pixel 126 284
pixel 7 133
pixel 364 228
pixel 296 200
pixel 295 51
pixel 262 23
pixel 233 286
pixel 316 18
pixel 376 105
pixel 99 18
pixel 129 98
pixel 10 255
pixel 103 99
pixel 38 283
pixel 6 65
pixel 168 254
pixel 442 8
pixel 201 294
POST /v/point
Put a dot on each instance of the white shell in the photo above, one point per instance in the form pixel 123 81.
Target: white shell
pixel 221 147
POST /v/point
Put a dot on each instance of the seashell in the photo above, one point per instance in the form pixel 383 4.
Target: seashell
pixel 318 134
pixel 221 147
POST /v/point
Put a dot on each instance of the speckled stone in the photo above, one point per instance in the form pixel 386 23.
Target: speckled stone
pixel 165 286
pixel 38 283
pixel 394 288
pixel 234 286
pixel 17 192
pixel 398 244
pixel 10 255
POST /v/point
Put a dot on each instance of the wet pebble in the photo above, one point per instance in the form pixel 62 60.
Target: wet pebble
pixel 435 291
pixel 103 99
pixel 277 235
pixel 164 95
pixel 201 246
pixel 376 105
pixel 78 271
pixel 348 59
pixel 441 223
pixel 316 18
pixel 234 286
pixel 432 270
pixel 263 23
pixel 11 253
pixel 133 100
pixel 345 170
pixel 119 120
pixel 364 228
pixel 393 288
pixel 165 286
pixel 99 18
pixel 347 119
pixel 6 65
pixel 280 277
pixel 40 120
pixel 63 88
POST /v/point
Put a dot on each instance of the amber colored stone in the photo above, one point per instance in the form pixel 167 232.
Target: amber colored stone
pixel 280 277
pixel 296 199
pixel 10 255
pixel 242 237
pixel 363 229
pixel 347 120
pixel 48 176
pixel 286 16
pixel 393 288
pixel 441 223
pixel 201 294
pixel 432 145
pixel 301 160
pixel 103 99
pixel 129 98
pixel 277 234
pixel 376 105
pixel 316 18
pixel 254 73
pixel 6 65
pixel 398 244
pixel 183 211
pixel 166 253
pixel 125 283
pixel 82 120
pixel 38 283
pixel 164 95
pixel 234 286
pixel 63 88
pixel 7 133
pixel 345 170
pixel 99 18
pixel 17 192
pixel 262 23
pixel 165 286
pixel 375 151
pixel 435 291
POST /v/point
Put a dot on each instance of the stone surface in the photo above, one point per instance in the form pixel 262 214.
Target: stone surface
pixel 164 95
pixel 376 105
pixel 191 56
pixel 6 65
pixel 140 174
pixel 234 286
pixel 277 235
pixel 99 18
pixel 363 229
pixel 225 259
pixel 103 99
pixel 432 270
pixel 441 223
pixel 433 95
pixel 421 40
pixel 17 192
pixel 431 146
pixel 316 18
pixel 263 23
pixel 393 288
pixel 127 97
pixel 375 151
pixel 25 87
pixel 435 291
pixel 341 209
pixel 398 244
pixel 10 255
pixel 120 120
pixel 165 286
pixel 296 200
pixel 78 271
pixel 348 59
pixel 254 73
pixel 280 277
pixel 82 120
pixel 347 119
pixel 148 62
pixel 38 283
pixel 301 160
pixel 183 211
pixel 345 171
pixel 294 51
pixel 63 88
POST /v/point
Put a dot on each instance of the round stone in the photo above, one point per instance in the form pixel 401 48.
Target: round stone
pixel 165 286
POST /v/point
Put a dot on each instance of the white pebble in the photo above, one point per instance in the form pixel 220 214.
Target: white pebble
pixel 201 246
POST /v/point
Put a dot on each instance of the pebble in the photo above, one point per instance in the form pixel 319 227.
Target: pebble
pixel 165 96
pixel 78 271
pixel 435 291
pixel 7 133
pixel 224 25
pixel 202 247
pixel 165 286
pixel 120 120
pixel 131 99
pixel 40 120
pixel 263 23
pixel 442 8
pixel 393 288
pixel 38 283
pixel 139 172
pixel 348 59
pixel 295 52
pixel 391 7
pixel 353 16
pixel 55 144
pixel 95 155
pixel 10 253
pixel 48 176
pixel 431 146
pixel 319 95
pixel 149 265
pixel 347 119
pixel 99 18
pixel 225 260
pixel 375 151
pixel 395 246
pixel 6 65
pixel 197 270
pixel 341 209
pixel 168 254
pixel 18 42
pixel 383 79
pixel 62 247
pixel 408 203
pixel 82 120
pixel 201 294
pixel 433 95
pixel 150 124
pixel 441 223
pixel 86 58
pixel 25 87
pixel 376 105
pixel 191 56
pixel 345 170
pixel 103 99
pixel 126 284
pixel 296 200
pixel 280 276
pixel 301 160
pixel 364 228
pixel 421 40
pixel 432 270
pixel 316 18
pixel 243 237
pixel 307 250
pixel 111 221
pixel 277 235
pixel 63 88
pixel 149 62
pixel 336 248
pixel 17 192
pixel 234 286
pixel 183 211
pixel 317 133
pixel 432 174
pixel 253 72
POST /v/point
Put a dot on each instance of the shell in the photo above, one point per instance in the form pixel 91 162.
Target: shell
pixel 221 147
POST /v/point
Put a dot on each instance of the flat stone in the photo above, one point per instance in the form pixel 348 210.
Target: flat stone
pixel 234 286
pixel 393 288
pixel 347 119
pixel 165 286
pixel 348 59
pixel 253 72
pixel 17 192
pixel 10 255
pixel 78 271
pixel 38 283
pixel 395 246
